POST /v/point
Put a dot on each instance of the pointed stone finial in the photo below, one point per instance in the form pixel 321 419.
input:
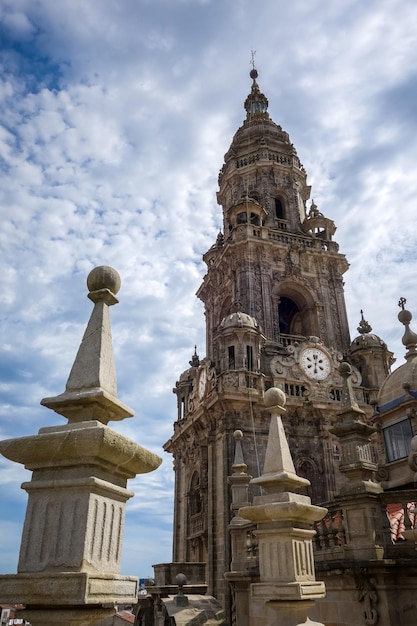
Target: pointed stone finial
pixel 364 327
pixel 239 466
pixel 279 472
pixel 410 337
pixel 91 389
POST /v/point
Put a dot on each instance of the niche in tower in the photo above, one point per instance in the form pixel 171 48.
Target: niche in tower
pixel 194 495
pixel 289 318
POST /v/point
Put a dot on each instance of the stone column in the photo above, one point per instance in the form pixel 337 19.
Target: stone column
pixel 287 587
pixel 69 563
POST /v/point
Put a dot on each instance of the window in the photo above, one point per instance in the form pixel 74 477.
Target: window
pixel 231 352
pixel 279 209
pixel 398 440
pixel 241 218
pixel 249 358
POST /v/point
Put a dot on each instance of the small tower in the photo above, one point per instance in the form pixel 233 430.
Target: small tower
pixel 370 355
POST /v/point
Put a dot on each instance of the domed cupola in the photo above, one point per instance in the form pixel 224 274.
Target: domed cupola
pixel 317 225
pixel 396 410
pixel 184 386
pixel 238 342
pixel 370 354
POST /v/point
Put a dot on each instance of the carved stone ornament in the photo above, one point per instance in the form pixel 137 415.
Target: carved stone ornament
pixel 367 593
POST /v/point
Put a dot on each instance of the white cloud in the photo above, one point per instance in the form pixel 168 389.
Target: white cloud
pixel 114 121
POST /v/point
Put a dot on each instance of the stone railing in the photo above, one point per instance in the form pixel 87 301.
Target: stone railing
pixel 398 513
pixel 399 510
pixel 288 340
pixel 330 534
pixel 280 234
pixel 197 525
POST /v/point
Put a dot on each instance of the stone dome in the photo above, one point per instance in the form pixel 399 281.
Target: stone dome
pixel 239 320
pixel 401 384
pixel 367 340
pixel 397 386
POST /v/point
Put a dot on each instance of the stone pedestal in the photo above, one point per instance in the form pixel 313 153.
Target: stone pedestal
pixel 72 537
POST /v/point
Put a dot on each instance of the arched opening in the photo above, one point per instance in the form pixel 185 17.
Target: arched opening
pixel 279 209
pixel 289 318
pixel 306 468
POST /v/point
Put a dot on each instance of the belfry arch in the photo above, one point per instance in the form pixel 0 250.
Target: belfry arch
pixel 295 310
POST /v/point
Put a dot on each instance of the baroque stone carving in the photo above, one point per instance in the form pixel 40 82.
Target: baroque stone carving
pixel 367 593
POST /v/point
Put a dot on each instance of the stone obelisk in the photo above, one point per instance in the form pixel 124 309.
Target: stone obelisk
pixel 69 563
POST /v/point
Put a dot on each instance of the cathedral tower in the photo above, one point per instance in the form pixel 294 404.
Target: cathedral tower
pixel 275 316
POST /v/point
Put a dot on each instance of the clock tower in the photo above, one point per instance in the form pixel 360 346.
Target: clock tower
pixel 275 316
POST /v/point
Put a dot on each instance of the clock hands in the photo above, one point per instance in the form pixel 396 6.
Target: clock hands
pixel 317 363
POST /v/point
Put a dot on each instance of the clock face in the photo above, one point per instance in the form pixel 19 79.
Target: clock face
pixel 202 382
pixel 315 363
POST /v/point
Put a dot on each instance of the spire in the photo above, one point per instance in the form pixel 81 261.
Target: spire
pixel 410 337
pixel 364 327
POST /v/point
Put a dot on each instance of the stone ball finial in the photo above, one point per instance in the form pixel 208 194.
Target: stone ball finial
pixel 405 317
pixel 238 435
pixel 253 74
pixel 104 277
pixel 275 398
pixel 345 369
pixel 181 580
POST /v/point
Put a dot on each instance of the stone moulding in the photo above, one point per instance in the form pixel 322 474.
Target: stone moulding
pixel 93 403
pixel 289 591
pixel 84 441
pixel 76 588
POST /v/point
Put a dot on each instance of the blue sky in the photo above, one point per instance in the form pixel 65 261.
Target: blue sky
pixel 114 119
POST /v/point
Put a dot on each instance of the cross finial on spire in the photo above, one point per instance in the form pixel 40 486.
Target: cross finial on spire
pixel 195 360
pixel 402 302
pixel 252 60
pixel 364 326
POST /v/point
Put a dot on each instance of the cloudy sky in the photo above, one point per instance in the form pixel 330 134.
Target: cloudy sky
pixel 114 119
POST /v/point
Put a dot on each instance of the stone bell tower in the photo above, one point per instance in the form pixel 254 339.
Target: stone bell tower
pixel 275 316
